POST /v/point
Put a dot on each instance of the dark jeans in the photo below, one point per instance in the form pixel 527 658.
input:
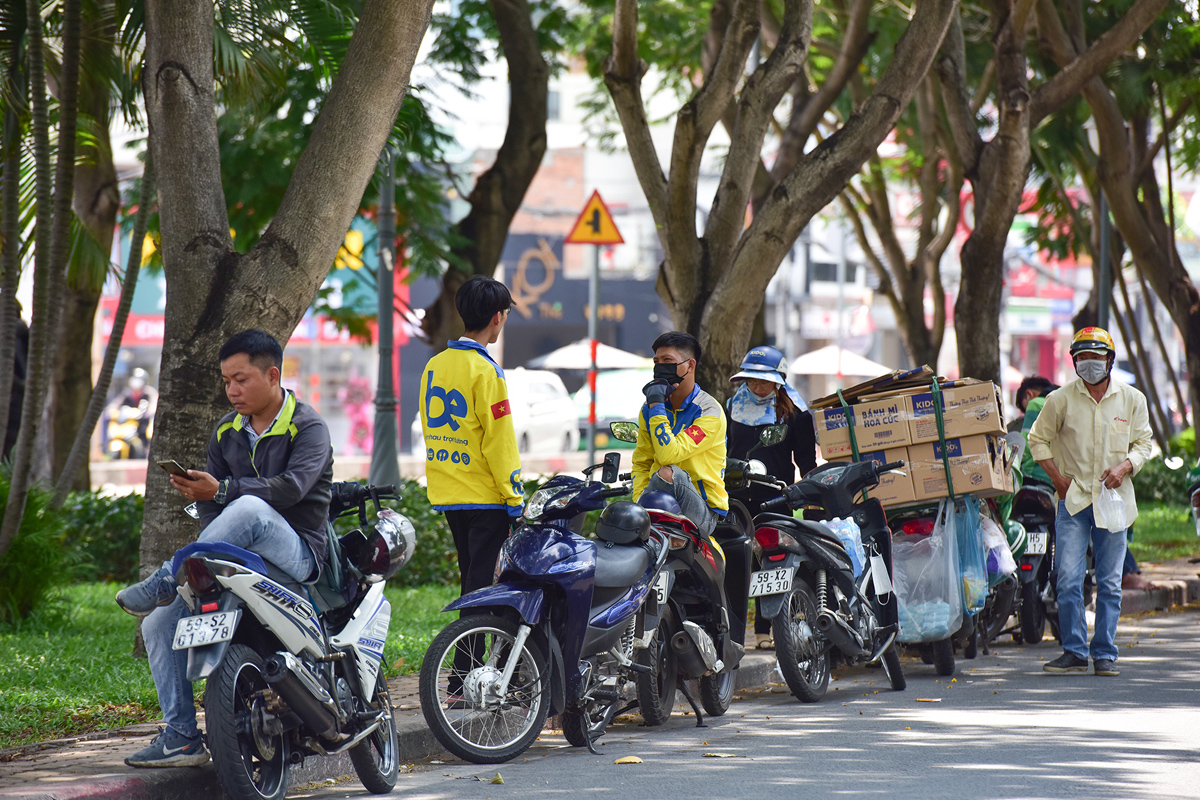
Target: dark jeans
pixel 478 535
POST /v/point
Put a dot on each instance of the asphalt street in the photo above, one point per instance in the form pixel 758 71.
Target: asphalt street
pixel 998 728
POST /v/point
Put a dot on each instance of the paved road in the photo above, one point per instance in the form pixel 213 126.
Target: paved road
pixel 1002 728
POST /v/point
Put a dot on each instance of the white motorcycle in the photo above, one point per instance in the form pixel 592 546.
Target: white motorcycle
pixel 294 671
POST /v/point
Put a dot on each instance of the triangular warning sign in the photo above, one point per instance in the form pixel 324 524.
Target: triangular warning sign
pixel 595 225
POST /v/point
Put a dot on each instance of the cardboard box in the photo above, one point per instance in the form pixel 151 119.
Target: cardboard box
pixel 967 411
pixel 893 489
pixel 979 465
pixel 879 425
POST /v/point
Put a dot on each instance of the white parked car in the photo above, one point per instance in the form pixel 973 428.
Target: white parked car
pixel 543 414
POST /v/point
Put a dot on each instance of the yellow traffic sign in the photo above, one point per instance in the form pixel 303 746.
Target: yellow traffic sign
pixel 595 225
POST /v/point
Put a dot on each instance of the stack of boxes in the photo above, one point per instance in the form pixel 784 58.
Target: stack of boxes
pixel 894 419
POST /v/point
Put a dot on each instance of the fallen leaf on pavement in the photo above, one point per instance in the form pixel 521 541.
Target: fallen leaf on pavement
pixel 720 755
pixel 929 700
pixel 628 760
pixel 497 779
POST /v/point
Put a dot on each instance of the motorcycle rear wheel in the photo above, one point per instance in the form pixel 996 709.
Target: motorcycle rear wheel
pixel 943 656
pixel 376 758
pixel 795 628
pixel 249 766
pixel 656 689
pixel 469 730
pixel 1032 614
pixel 716 693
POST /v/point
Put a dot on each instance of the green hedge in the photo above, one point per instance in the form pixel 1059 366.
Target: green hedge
pixel 1158 484
pixel 37 562
pixel 106 532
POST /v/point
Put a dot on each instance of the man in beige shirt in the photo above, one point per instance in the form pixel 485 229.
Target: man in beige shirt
pixel 1091 435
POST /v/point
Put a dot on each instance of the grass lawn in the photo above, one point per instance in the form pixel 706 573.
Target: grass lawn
pixel 1164 532
pixel 71 669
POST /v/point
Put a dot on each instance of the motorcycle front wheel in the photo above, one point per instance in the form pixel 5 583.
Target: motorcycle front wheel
pixel 251 761
pixel 891 667
pixel 803 656
pixel 943 657
pixel 376 760
pixel 1032 614
pixel 458 699
pixel 656 689
pixel 581 726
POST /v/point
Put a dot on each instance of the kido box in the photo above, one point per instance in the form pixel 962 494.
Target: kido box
pixel 893 489
pixel 980 465
pixel 966 411
pixel 878 425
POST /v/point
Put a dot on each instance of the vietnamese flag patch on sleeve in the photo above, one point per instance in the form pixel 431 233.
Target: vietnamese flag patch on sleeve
pixel 501 409
pixel 696 432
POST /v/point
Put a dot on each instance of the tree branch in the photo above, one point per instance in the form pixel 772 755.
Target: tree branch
pixel 1054 92
pixel 951 67
pixel 806 115
pixel 1147 159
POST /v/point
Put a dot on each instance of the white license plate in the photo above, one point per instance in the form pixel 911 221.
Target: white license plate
pixel 206 629
pixel 770 581
pixel 1035 542
pixel 660 588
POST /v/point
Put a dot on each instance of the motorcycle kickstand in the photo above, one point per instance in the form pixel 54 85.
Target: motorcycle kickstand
pixel 683 687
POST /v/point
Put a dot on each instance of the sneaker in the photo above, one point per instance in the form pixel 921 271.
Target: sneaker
pixel 141 598
pixel 1067 662
pixel 1107 667
pixel 171 749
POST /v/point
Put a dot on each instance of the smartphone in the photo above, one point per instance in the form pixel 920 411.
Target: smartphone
pixel 175 468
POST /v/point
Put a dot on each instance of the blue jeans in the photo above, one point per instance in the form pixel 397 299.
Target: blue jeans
pixel 690 502
pixel 247 522
pixel 1071 536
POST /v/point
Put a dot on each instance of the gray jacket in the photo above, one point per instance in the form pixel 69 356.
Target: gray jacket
pixel 291 467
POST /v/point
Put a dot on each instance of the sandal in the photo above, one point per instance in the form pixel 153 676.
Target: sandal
pixel 766 643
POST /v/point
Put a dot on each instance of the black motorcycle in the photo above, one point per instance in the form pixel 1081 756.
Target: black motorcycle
pixel 808 583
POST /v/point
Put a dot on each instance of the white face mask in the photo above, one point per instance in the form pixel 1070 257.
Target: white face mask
pixel 1092 371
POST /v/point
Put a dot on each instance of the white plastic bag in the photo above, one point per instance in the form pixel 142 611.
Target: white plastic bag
pixel 1000 562
pixel 927 580
pixel 1110 510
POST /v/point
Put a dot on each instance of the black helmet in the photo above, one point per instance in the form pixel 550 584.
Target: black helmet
pixel 623 522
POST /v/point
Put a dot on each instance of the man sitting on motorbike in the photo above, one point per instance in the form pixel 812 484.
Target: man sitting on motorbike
pixel 681 435
pixel 266 488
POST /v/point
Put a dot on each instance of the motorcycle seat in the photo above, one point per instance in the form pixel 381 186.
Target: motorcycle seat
pixel 668 519
pixel 620 566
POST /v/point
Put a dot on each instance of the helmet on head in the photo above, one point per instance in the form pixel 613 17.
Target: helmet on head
pixel 763 364
pixel 1093 340
pixel 623 522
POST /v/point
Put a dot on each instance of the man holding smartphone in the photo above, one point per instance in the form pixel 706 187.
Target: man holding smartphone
pixel 266 488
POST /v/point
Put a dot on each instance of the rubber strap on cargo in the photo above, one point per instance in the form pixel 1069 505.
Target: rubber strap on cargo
pixel 854 454
pixel 941 426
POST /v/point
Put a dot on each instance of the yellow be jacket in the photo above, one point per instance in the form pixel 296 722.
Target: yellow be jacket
pixel 691 438
pixel 471 458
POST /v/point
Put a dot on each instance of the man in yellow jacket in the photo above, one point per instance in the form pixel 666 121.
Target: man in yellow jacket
pixel 1090 437
pixel 681 435
pixel 472 467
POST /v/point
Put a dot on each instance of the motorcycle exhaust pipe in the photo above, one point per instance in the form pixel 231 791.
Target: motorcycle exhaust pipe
pixel 303 695
pixel 688 654
pixel 842 637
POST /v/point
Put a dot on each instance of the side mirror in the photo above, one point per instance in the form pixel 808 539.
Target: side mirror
pixel 772 435
pixel 612 468
pixel 624 431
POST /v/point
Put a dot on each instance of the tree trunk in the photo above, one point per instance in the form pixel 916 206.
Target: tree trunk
pixel 51 239
pixel 500 190
pixel 10 218
pixel 97 202
pixel 212 291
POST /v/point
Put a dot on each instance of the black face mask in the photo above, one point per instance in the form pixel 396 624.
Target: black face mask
pixel 668 373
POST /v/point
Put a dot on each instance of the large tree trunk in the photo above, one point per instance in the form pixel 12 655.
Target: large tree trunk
pixel 499 191
pixel 10 219
pixel 97 202
pixel 213 292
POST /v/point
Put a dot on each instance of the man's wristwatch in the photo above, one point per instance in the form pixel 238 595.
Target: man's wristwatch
pixel 222 488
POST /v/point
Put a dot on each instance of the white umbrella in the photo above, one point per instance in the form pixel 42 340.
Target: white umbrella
pixel 833 360
pixel 578 355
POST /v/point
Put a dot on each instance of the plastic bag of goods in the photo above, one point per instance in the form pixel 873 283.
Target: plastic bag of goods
pixel 847 531
pixel 926 580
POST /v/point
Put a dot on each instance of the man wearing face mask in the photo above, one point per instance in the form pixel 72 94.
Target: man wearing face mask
pixel 681 435
pixel 1091 435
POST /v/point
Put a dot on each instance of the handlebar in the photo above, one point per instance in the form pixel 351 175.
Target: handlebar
pixel 615 491
pixel 778 504
pixel 891 466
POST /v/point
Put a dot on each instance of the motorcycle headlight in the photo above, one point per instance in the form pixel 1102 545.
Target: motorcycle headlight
pixel 544 500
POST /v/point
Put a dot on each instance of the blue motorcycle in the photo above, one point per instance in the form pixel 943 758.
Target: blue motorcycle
pixel 555 633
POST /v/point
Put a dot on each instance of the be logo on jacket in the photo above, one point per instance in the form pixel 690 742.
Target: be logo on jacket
pixel 471 458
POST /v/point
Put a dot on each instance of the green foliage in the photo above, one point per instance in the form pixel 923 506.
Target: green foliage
pixel 1164 532
pixel 416 618
pixel 36 562
pixel 1185 442
pixel 107 533
pixel 1158 484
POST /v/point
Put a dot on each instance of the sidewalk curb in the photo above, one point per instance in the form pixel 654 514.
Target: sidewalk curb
pixel 1170 593
pixel 415 741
